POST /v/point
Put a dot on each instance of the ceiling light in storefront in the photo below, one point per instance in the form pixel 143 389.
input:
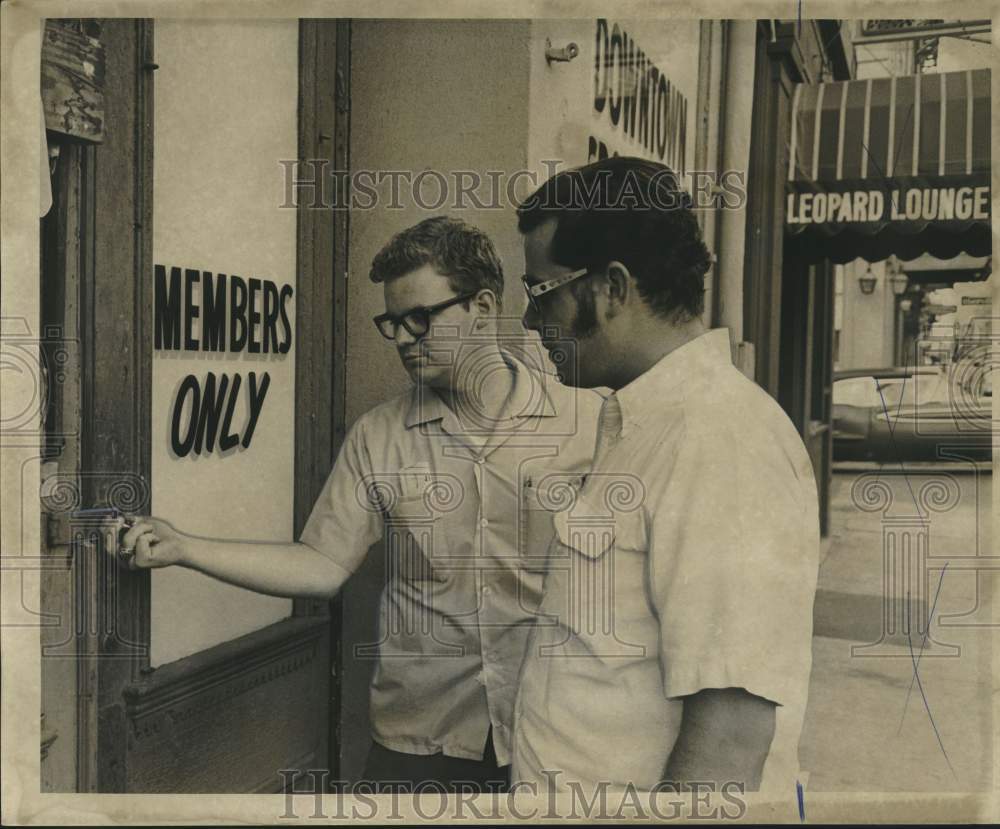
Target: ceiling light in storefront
pixel 867 281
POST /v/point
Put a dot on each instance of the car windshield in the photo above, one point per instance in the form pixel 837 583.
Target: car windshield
pixel 893 391
pixel 919 389
pixel 855 391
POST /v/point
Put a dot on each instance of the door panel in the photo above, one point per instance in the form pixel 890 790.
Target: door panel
pixel 805 390
pixel 232 716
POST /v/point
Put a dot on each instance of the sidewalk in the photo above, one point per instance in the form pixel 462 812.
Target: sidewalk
pixel 856 737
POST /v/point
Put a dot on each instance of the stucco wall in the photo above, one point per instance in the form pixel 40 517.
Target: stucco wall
pixel 866 339
pixel 429 95
pixel 426 95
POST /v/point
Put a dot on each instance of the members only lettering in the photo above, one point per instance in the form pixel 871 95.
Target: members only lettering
pixel 927 204
pixel 205 312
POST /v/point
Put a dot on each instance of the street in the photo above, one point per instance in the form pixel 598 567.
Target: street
pixel 891 707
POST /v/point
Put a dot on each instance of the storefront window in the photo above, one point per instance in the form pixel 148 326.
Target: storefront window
pixel 223 355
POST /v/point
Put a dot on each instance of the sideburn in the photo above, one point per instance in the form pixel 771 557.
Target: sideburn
pixel 584 323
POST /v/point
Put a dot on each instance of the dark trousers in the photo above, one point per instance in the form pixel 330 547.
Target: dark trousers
pixel 397 771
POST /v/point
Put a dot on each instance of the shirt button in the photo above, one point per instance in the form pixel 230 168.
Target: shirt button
pixel 480 461
pixel 486 590
pixel 484 523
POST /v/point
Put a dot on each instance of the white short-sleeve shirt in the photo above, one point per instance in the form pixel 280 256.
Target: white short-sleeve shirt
pixel 688 561
pixel 466 536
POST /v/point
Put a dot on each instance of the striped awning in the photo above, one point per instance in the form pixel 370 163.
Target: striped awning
pixel 890 166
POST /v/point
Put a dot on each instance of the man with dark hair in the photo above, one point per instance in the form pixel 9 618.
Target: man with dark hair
pixel 450 474
pixel 694 541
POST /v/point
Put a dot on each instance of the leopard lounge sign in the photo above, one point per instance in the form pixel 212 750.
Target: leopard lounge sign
pixel 887 166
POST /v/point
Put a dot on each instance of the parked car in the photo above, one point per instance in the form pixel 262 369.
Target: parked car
pixel 921 413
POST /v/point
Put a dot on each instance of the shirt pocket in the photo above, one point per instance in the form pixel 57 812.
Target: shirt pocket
pixel 592 528
pixel 416 542
pixel 538 507
pixel 600 559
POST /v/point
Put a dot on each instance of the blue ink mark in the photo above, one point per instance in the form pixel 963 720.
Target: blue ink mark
pixel 802 803
pixel 930 716
pixel 920 685
pixel 923 644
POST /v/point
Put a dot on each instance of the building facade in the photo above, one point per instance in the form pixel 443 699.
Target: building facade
pixel 885 315
pixel 207 303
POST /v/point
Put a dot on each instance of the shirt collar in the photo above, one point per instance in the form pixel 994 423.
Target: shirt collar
pixel 530 397
pixel 640 398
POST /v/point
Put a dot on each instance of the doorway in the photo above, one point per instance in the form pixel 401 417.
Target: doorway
pixel 248 711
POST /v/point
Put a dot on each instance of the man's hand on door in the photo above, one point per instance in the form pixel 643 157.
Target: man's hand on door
pixel 276 568
pixel 154 542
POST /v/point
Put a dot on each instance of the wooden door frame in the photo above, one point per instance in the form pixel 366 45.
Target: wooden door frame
pixel 806 375
pixel 141 711
pixel 65 267
pixel 777 285
pixel 765 217
pixel 117 311
pixel 320 380
pixel 822 383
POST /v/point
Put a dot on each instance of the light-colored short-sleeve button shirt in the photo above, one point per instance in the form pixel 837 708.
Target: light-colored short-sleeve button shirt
pixel 461 504
pixel 688 561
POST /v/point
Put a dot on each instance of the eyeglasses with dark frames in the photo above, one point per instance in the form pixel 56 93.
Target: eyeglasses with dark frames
pixel 537 289
pixel 417 321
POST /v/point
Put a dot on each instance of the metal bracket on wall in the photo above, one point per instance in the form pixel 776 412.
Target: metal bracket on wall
pixel 566 53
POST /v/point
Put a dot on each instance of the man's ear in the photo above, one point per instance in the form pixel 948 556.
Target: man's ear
pixel 485 303
pixel 619 284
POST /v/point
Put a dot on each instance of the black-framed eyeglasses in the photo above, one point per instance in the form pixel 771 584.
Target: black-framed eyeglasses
pixel 417 321
pixel 535 290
